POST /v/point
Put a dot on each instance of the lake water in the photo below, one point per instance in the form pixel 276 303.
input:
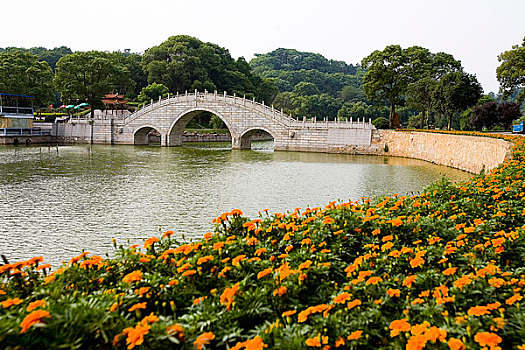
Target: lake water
pixel 57 202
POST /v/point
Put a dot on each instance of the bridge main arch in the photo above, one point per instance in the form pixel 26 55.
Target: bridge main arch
pixel 176 129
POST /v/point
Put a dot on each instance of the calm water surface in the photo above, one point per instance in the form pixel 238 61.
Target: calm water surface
pixel 56 203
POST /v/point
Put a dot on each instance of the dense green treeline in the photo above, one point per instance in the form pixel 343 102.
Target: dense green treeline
pixel 411 87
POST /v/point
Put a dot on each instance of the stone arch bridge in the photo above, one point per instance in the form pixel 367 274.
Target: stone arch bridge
pixel 242 117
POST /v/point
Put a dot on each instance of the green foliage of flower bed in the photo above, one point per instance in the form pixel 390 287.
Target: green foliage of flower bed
pixel 442 269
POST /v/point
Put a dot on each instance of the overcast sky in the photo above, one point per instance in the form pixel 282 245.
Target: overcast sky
pixel 474 31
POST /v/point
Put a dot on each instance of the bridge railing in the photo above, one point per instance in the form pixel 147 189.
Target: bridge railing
pixel 269 111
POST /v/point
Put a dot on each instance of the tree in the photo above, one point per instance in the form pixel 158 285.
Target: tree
pixel 184 63
pixel 152 92
pixel 305 89
pixel 507 112
pixel 424 70
pixel 90 75
pixel 511 72
pixel 455 92
pixel 421 96
pixel 385 78
pixel 485 115
pixel 21 73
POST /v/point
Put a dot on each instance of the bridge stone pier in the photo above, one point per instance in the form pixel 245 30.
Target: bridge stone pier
pixel 241 116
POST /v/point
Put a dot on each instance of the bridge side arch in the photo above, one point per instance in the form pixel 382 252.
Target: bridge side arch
pixel 245 140
pixel 176 129
pixel 140 135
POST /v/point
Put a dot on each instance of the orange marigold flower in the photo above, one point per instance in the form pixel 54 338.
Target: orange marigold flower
pixel 450 271
pixel 238 259
pixel 417 301
pixel 174 329
pixel 149 242
pixel 456 344
pixel 478 311
pixel 136 335
pixel 289 313
pixel 204 259
pixel 487 339
pixel 189 273
pixel 342 298
pixel 150 319
pixel 264 273
pixel 132 277
pixel 167 234
pixel 339 342
pixel 35 304
pixel 516 297
pixel 416 342
pixel 227 296
pixel 313 342
pixel 462 281
pixel 398 326
pixel 417 262
pixel 280 291
pixel 355 335
pixel 409 280
pixel 395 222
pixel 259 251
pixel 393 292
pixel 137 306
pixel 254 344
pixel 10 302
pixel 218 245
pixel 353 303
pixel 33 318
pixel 374 280
pixel 203 339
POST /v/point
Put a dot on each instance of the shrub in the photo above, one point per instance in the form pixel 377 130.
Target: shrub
pixel 381 123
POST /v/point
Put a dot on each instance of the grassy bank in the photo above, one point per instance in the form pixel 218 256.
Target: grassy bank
pixel 443 269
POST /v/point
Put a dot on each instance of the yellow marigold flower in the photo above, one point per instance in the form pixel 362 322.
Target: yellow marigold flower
pixel 203 339
pixel 33 318
pixel 35 304
pixel 132 277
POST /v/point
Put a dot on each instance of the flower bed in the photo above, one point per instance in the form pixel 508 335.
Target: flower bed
pixel 442 269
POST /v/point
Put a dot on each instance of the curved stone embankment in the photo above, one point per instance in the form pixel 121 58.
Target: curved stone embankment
pixel 468 153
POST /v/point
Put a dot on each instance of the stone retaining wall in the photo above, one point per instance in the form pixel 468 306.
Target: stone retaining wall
pixel 468 153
